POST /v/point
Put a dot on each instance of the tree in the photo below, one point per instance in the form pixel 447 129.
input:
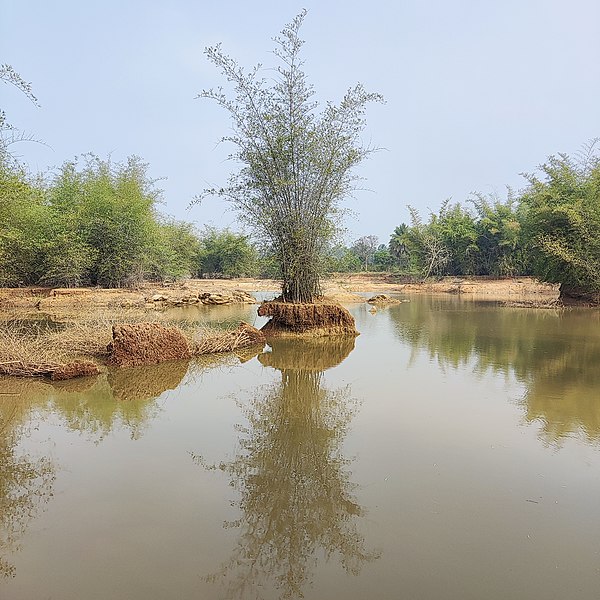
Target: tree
pixel 365 248
pixel 174 252
pixel 562 221
pixel 457 229
pixel 297 163
pixel 342 260
pixel 24 227
pixel 9 134
pixel 382 259
pixel 426 245
pixel 398 248
pixel 500 238
pixel 108 210
pixel 226 254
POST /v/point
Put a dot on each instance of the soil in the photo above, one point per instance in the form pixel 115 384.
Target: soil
pixel 317 319
pixel 345 288
pixel 146 344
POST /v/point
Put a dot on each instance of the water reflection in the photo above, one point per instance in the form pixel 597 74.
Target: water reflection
pixel 124 397
pixel 26 481
pixel 93 405
pixel 554 353
pixel 296 497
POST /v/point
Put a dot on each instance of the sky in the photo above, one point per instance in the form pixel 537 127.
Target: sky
pixel 477 91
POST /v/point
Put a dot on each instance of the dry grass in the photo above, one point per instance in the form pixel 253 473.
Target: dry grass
pixel 29 348
pixel 27 352
pixel 207 341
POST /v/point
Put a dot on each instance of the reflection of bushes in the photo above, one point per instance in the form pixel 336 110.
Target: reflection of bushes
pixel 554 353
pixel 25 481
pixel 296 496
pixel 124 396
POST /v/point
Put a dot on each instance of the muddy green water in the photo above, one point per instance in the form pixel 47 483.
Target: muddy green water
pixel 451 451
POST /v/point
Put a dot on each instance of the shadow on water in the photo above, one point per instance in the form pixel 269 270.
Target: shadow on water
pixel 555 354
pixel 295 493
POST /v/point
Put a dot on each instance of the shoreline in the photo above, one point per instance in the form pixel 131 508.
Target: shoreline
pixel 344 288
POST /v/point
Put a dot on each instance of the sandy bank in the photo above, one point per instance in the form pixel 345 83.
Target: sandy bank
pixel 341 287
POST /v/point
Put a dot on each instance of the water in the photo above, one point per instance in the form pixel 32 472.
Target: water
pixel 451 451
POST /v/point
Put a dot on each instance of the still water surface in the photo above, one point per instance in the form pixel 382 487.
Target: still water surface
pixel 451 451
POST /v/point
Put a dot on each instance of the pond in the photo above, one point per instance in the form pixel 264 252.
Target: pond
pixel 451 451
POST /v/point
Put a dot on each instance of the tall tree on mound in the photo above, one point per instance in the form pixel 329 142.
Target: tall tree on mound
pixel 297 162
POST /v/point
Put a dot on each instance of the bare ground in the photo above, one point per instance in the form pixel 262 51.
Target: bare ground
pixel 340 287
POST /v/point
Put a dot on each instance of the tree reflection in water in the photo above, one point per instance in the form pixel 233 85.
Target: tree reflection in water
pixel 26 482
pixel 554 353
pixel 296 496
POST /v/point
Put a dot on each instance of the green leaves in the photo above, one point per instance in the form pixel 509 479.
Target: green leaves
pixel 95 223
pixel 297 162
pixel 562 220
pixel 226 254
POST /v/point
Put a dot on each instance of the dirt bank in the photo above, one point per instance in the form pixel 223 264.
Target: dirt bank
pixel 480 288
pixel 340 287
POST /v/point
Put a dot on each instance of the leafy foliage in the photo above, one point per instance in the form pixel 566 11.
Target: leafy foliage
pixel 563 220
pixel 226 254
pixel 296 163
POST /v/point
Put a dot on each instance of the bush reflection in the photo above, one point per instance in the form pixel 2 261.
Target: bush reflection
pixel 554 353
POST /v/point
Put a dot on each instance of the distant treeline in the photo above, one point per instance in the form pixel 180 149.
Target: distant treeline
pixel 551 229
pixel 96 222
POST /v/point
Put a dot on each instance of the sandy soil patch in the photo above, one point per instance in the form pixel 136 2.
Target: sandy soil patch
pixel 344 288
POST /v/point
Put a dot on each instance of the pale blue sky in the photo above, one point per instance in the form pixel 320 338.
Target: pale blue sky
pixel 476 91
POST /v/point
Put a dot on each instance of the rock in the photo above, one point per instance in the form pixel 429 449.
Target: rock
pixel 243 297
pixel 383 299
pixel 215 298
pixel 159 298
pixel 235 297
pixel 146 344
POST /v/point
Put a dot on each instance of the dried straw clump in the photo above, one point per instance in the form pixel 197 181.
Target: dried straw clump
pixel 316 319
pixel 26 352
pixel 152 343
pixel 216 342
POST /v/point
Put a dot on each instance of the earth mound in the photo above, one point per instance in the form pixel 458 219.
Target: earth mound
pixel 317 319
pixel 146 344
pixel 573 296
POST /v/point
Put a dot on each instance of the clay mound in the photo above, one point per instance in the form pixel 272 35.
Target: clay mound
pixel 78 368
pixel 317 319
pixel 313 354
pixel 383 299
pixel 146 344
